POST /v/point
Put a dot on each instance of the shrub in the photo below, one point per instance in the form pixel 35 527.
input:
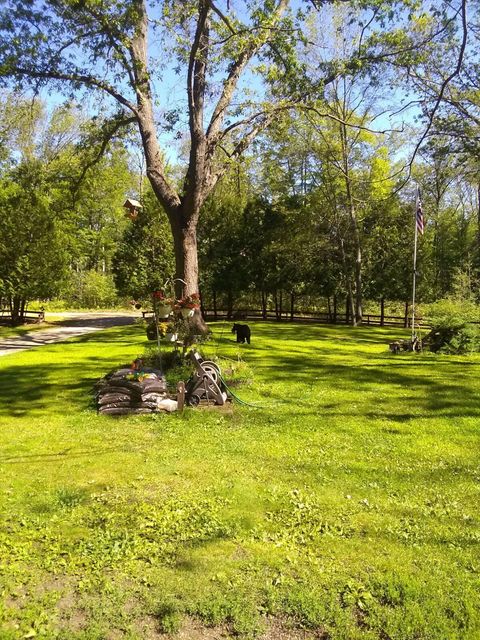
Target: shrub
pixel 452 331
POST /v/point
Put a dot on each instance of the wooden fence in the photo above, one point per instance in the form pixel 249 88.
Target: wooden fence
pixel 369 319
pixel 27 317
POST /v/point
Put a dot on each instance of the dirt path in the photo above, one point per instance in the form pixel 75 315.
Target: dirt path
pixel 73 324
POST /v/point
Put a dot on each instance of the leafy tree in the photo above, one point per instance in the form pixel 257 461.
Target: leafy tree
pixel 97 202
pixel 33 242
pixel 144 258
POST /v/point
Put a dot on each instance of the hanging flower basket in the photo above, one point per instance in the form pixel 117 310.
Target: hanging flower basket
pixel 186 306
pixel 162 305
pixel 187 313
pixel 164 310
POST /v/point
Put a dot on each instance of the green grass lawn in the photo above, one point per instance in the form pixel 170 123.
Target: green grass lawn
pixel 346 504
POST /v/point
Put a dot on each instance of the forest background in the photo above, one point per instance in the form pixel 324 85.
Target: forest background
pixel 317 211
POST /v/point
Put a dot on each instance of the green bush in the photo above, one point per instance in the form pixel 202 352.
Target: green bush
pixel 466 339
pixel 451 313
pixel 452 331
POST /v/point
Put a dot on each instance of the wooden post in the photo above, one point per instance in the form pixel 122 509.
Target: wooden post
pixel 180 395
pixel 347 310
pixel 405 322
pixel 382 312
pixel 292 306
pixel 335 308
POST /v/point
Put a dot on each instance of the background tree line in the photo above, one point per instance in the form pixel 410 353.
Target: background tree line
pixel 312 218
pixel 300 177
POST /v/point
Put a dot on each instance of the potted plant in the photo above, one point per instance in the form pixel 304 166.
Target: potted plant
pixel 187 305
pixel 151 330
pixel 168 331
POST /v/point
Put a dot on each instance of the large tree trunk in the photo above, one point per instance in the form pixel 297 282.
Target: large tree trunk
pixel 15 304
pixel 183 207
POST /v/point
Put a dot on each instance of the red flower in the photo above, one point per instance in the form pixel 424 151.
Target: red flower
pixel 189 302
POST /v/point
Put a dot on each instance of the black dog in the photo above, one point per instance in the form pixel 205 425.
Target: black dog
pixel 242 331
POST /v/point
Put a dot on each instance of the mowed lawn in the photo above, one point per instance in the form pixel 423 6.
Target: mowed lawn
pixel 344 505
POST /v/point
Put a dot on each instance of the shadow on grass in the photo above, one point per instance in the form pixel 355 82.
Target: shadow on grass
pixel 55 383
pixel 330 360
pixel 66 454
pixel 340 360
pixel 37 388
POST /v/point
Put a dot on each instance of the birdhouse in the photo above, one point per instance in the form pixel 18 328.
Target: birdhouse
pixel 132 207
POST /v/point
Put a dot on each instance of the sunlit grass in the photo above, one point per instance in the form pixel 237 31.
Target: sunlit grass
pixel 343 501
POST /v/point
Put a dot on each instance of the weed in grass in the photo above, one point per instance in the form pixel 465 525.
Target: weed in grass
pixel 168 616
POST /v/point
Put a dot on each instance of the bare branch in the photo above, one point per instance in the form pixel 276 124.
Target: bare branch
pixel 346 122
pixel 444 84
pixel 196 72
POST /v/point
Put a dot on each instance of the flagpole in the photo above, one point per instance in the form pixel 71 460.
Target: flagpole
pixel 414 264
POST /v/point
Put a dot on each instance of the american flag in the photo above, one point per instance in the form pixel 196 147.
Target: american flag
pixel 419 218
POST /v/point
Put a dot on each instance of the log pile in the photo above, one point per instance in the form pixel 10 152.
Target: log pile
pixel 130 392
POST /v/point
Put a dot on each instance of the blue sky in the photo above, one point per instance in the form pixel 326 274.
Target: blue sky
pixel 171 93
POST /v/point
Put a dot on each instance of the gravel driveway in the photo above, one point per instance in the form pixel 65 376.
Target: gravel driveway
pixel 73 324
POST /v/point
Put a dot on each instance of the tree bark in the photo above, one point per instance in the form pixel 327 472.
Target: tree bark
pixel 15 305
pixel 357 310
pixel 264 305
pixel 214 300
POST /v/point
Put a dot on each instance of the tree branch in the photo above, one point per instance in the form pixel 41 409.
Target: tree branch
pixel 77 78
pixel 231 82
pixel 108 134
pixel 222 17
